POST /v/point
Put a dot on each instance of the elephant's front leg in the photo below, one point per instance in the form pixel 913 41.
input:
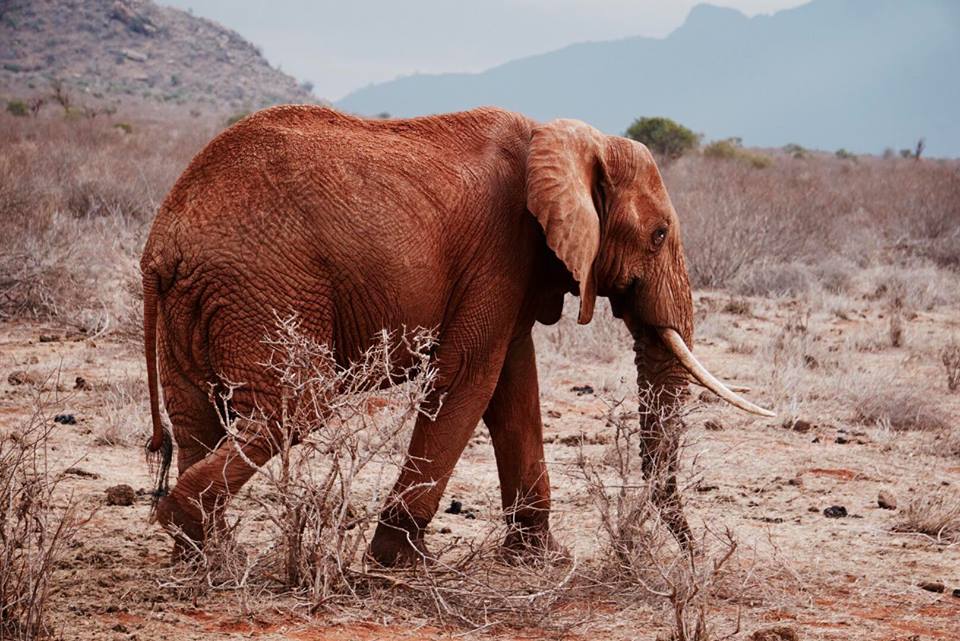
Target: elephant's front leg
pixel 434 449
pixel 513 418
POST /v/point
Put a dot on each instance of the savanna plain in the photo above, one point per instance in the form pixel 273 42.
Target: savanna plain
pixel 829 285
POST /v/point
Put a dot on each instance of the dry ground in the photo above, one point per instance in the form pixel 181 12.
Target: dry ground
pixel 847 578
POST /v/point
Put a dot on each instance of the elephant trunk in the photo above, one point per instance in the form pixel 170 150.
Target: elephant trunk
pixel 662 386
pixel 661 323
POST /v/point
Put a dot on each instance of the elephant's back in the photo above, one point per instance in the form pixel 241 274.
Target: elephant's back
pixel 305 173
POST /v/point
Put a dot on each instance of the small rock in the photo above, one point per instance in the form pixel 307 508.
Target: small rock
pixel 469 515
pixel 456 507
pixel 121 495
pixel 445 530
pixel 796 481
pixel 801 426
pixel 770 519
pixel 82 384
pixel 886 500
pixel 554 414
pixel 20 377
pixel 956 592
pixel 76 471
pixel 932 586
pixel 65 419
pixel 582 389
pixel 120 628
pixel 49 338
pixel 835 512
pixel 713 426
pixel 841 440
pixel 778 633
pixel 707 396
pixel 707 488
pixel 136 56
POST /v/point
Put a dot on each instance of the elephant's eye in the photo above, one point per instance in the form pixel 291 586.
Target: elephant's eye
pixel 659 236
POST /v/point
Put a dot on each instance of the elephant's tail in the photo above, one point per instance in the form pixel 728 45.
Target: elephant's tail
pixel 160 445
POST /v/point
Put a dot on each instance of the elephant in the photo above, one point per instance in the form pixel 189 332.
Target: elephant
pixel 476 224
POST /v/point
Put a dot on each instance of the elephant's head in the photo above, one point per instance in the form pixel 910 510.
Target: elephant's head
pixel 606 215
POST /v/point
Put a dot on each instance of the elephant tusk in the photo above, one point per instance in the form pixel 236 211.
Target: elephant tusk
pixel 733 388
pixel 673 340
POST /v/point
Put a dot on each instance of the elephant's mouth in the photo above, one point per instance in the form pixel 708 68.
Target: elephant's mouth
pixel 674 342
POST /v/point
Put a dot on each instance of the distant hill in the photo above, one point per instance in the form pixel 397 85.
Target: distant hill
pixel 858 74
pixel 114 48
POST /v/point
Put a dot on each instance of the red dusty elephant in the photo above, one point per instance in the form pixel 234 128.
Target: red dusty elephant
pixel 475 223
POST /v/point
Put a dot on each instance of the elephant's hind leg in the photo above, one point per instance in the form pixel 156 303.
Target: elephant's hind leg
pixel 198 501
pixel 197 429
pixel 216 464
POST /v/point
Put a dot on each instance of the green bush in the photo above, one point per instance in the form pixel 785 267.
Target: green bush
pixel 730 149
pixel 722 149
pixel 665 137
pixel 843 154
pixel 17 108
pixel 795 150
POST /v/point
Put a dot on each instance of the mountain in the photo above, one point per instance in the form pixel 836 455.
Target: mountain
pixel 858 74
pixel 115 48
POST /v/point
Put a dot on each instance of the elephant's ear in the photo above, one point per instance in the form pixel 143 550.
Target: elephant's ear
pixel 563 169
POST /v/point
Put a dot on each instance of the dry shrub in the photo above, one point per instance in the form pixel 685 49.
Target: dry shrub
pixel 950 357
pixel 935 513
pixel 303 525
pixel 895 327
pixel 738 307
pixel 917 286
pixel 37 524
pixel 883 401
pixel 834 275
pixel 772 279
pixel 640 558
pixel 76 198
pixel 796 365
pixel 731 218
pixel 735 217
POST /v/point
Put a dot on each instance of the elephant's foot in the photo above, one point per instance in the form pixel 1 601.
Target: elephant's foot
pixel 532 545
pixel 187 531
pixel 398 545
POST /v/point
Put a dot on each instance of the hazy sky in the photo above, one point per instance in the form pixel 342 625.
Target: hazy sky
pixel 342 45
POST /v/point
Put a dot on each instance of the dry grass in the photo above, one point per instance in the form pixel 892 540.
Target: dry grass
pixel 126 413
pixel 886 403
pixel 637 558
pixel 37 525
pixel 76 198
pixel 935 513
pixel 739 220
